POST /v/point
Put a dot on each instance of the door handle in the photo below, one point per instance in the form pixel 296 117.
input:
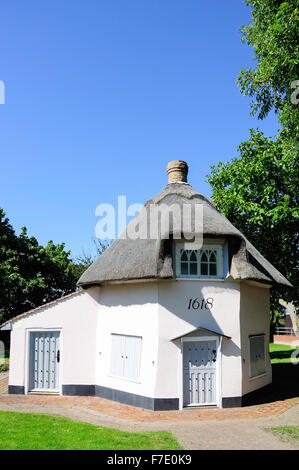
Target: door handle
pixel 215 355
pixel 58 356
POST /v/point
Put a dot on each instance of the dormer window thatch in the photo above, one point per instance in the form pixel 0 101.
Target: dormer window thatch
pixel 200 262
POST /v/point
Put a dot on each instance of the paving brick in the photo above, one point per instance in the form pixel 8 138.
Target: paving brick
pixel 130 413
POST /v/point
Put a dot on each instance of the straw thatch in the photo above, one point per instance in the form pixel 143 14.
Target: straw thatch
pixel 141 259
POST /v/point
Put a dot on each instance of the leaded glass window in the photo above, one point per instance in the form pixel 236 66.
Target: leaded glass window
pixel 205 262
pixel 189 262
pixel 208 262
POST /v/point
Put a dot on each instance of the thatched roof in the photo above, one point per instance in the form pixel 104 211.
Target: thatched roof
pixel 142 259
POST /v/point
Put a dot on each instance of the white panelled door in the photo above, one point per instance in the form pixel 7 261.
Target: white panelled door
pixel 44 360
pixel 199 369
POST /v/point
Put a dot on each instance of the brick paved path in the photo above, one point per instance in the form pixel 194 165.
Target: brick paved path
pixel 130 413
pixel 214 428
pixel 237 428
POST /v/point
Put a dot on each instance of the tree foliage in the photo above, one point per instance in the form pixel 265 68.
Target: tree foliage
pixel 273 34
pixel 83 261
pixel 31 274
pixel 258 191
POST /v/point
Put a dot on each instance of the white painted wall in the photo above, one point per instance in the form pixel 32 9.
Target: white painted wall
pixel 176 319
pixel 76 316
pixel 128 309
pixel 255 319
pixel 158 312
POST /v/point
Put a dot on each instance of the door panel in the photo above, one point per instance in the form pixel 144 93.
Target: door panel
pixel 199 368
pixel 132 357
pixel 117 355
pixel 44 361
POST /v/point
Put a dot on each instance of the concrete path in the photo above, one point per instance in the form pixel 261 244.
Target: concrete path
pixel 229 434
pixel 237 434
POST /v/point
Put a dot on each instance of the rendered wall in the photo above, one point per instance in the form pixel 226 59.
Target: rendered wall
pixel 157 311
pixel 175 318
pixel 255 319
pixel 129 309
pixel 77 317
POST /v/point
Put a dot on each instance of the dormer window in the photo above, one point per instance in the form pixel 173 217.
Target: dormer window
pixel 189 265
pixel 208 262
pixel 200 262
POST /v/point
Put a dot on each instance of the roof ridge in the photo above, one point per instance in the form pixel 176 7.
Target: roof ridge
pixel 185 190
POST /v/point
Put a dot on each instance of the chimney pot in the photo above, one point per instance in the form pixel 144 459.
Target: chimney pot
pixel 177 171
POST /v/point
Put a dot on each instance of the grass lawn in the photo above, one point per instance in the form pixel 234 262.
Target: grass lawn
pixel 281 353
pixel 287 434
pixel 28 431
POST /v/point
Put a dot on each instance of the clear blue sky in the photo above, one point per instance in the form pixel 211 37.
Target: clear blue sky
pixel 101 94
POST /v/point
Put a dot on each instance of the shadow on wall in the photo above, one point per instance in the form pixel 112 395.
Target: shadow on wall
pixel 126 295
pixel 207 321
pixel 285 384
pixel 230 349
pixel 186 319
pixel 5 337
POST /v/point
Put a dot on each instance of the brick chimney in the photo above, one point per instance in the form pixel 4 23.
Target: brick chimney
pixel 177 171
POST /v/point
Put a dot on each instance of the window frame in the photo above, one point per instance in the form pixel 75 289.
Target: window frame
pixel 208 244
pixel 260 374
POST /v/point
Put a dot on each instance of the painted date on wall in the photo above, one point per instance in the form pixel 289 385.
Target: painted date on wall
pixel 198 303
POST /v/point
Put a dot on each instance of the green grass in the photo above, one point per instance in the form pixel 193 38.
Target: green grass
pixel 281 353
pixel 28 431
pixel 287 434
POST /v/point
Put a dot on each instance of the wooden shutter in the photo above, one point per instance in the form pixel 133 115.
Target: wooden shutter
pixel 125 356
pixel 257 355
pixel 117 355
pixel 132 357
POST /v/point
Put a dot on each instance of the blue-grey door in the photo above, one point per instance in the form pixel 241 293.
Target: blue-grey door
pixel 199 368
pixel 44 361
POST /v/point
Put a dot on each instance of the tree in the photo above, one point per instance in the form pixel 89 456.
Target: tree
pixel 273 34
pixel 258 193
pixel 30 274
pixel 83 261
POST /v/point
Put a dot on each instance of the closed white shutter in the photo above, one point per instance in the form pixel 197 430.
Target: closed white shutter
pixel 117 355
pixel 132 357
pixel 125 356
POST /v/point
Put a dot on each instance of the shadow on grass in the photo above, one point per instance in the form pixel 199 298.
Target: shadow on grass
pixel 281 354
pixel 285 384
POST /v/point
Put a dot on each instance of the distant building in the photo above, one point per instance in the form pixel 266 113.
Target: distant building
pixel 288 333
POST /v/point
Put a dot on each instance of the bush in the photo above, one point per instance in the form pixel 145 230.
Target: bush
pixel 4 366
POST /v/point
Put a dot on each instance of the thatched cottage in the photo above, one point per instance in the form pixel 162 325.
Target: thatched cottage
pixel 160 322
